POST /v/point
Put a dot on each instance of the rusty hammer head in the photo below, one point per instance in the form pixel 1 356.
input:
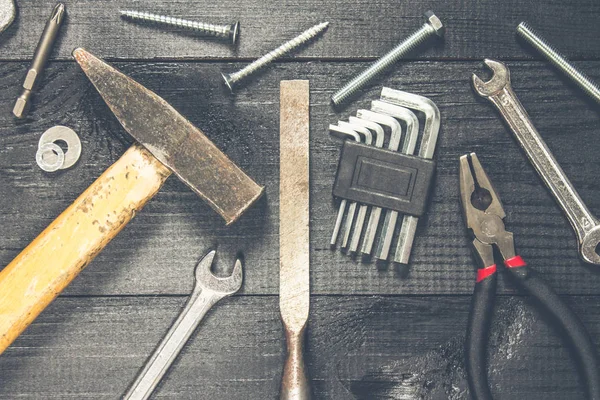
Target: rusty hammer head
pixel 172 139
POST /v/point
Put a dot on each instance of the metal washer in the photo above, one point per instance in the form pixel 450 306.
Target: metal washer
pixel 67 135
pixel 44 163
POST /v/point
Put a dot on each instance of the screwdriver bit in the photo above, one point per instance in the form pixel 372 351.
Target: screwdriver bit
pixel 40 58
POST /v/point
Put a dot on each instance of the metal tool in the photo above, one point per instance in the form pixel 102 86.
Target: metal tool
pixel 352 208
pixel 167 143
pixel 431 130
pixel 484 214
pixel 343 134
pixel 208 290
pixel 232 79
pixel 50 157
pixel 8 13
pixel 229 31
pixel 294 241
pixel 433 27
pixel 362 209
pixel 358 124
pixel 47 147
pixel 40 58
pixel 410 142
pixel 393 144
pixel 499 91
pixel 559 60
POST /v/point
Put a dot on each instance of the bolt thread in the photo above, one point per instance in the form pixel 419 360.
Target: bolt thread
pixel 558 60
pixel 407 45
pixel 207 29
pixel 278 52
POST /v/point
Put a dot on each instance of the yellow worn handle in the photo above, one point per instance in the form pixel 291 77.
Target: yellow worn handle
pixel 45 267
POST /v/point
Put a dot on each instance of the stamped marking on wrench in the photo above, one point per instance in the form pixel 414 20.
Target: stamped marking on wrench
pixel 208 290
pixel 499 91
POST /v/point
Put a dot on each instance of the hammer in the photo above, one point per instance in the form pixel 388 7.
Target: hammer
pixel 167 143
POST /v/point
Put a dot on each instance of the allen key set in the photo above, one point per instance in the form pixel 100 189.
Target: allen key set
pixel 376 174
pixel 385 175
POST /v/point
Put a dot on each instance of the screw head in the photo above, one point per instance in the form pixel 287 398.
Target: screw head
pixel 234 30
pixel 435 22
pixel 228 82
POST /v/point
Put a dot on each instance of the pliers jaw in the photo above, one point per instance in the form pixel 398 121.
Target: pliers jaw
pixel 483 212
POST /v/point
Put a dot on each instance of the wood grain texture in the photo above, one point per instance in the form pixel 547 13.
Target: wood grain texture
pixel 383 344
pixel 358 29
pixel 361 347
pixel 54 258
pixel 155 253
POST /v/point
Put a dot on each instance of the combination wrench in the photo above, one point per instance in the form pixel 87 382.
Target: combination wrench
pixel 499 91
pixel 208 290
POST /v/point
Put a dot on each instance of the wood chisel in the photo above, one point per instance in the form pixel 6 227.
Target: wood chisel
pixel 294 279
pixel 168 143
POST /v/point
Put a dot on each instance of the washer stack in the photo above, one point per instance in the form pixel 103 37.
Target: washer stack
pixel 50 156
pixel 382 175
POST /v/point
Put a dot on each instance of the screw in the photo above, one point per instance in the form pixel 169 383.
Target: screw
pixel 229 31
pixel 235 77
pixel 559 61
pixel 431 27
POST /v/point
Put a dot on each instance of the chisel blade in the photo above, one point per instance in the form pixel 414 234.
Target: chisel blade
pixel 294 279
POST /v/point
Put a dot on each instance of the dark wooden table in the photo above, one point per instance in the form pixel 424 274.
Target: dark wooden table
pixel 375 333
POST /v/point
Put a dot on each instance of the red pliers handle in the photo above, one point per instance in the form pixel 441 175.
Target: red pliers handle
pixel 484 216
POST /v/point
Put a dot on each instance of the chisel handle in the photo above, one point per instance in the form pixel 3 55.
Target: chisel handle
pixel 44 268
pixel 294 383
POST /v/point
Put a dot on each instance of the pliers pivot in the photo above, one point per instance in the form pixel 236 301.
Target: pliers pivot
pixel 484 217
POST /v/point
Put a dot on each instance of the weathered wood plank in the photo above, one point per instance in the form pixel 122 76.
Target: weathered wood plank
pixel 359 29
pixel 157 251
pixel 358 347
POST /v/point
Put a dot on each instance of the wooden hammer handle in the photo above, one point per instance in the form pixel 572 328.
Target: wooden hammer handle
pixel 45 267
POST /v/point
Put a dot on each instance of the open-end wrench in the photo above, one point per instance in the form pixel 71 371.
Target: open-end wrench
pixel 208 290
pixel 499 91
pixel 408 147
pixel 393 144
pixel 431 130
pixel 344 134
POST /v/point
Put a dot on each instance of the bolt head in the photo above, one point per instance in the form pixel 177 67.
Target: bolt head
pixel 234 31
pixel 435 22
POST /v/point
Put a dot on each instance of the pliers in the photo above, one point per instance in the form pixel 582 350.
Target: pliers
pixel 484 214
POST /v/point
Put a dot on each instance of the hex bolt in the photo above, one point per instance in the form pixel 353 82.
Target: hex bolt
pixel 229 31
pixel 558 60
pixel 433 26
pixel 232 79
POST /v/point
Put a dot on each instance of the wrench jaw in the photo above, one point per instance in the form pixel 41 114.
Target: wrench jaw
pixel 500 79
pixel 207 280
pixel 589 244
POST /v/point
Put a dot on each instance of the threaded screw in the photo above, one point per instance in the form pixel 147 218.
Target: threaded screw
pixel 229 31
pixel 433 26
pixel 558 60
pixel 232 79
